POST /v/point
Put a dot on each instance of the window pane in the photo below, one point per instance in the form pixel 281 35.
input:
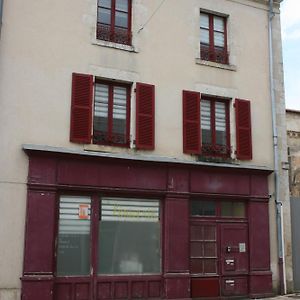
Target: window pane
pixel 204 36
pixel 104 15
pixel 226 209
pixel 219 39
pixel 233 209
pixel 239 209
pixel 210 249
pixel 101 109
pixel 196 249
pixel 104 3
pixel 197 266
pixel 209 266
pixel 205 122
pixel 122 5
pixel 73 250
pixel 121 19
pixel 219 24
pixel 119 113
pixel 129 236
pixel 204 20
pixel 220 124
pixel 203 208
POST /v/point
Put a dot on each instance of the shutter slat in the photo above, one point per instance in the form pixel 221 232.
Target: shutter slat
pixel 81 108
pixel 191 122
pixel 145 116
pixel 243 129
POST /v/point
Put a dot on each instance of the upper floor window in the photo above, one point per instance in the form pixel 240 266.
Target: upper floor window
pixel 213 38
pixel 111 113
pixel 206 126
pixel 100 112
pixel 114 21
pixel 214 122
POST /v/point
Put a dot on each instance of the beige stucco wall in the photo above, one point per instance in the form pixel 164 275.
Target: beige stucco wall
pixel 43 42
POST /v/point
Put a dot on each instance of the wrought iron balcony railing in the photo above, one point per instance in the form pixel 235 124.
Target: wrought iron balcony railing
pixel 113 34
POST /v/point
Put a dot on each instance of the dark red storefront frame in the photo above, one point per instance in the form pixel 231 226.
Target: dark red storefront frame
pixel 54 173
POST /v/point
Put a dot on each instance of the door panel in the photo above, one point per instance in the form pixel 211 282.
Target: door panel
pixel 234 249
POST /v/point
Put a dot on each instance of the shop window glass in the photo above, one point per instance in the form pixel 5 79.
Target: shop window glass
pixel 129 236
pixel 233 209
pixel 203 208
pixel 73 250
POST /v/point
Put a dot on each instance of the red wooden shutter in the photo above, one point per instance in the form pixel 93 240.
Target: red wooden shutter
pixel 191 122
pixel 81 108
pixel 243 129
pixel 145 115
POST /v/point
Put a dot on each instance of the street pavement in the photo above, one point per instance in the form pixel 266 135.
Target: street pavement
pixel 285 297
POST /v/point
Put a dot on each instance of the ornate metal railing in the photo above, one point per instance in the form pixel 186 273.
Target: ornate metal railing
pixel 216 150
pixel 113 34
pixel 218 55
pixel 102 137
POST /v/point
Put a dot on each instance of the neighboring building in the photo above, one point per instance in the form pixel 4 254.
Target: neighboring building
pixel 293 133
pixel 138 159
pixel 293 141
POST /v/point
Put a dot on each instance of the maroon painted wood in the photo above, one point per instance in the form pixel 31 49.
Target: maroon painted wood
pixel 205 287
pixel 37 289
pixel 220 182
pixel 40 232
pixel 111 174
pixel 145 116
pixel 54 174
pixel 259 185
pixel 243 129
pixel 233 260
pixel 42 169
pixel 81 108
pixel 176 235
pixel 259 236
pixel 234 286
pixel 191 122
pixel 260 284
pixel 177 286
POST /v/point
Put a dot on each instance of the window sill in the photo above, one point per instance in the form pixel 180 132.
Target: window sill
pixel 114 45
pixel 208 63
pixel 105 148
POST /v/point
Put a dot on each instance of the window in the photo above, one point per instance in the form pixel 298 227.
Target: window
pixel 206 126
pixel 214 122
pixel 128 239
pixel 100 112
pixel 217 208
pixel 233 209
pixel 203 208
pixel 213 38
pixel 73 236
pixel 111 113
pixel 114 21
pixel 129 236
pixel 203 249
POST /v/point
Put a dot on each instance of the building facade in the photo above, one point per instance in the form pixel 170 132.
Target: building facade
pixel 139 155
pixel 293 141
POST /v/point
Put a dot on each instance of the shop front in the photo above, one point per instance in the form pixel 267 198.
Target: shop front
pixel 104 226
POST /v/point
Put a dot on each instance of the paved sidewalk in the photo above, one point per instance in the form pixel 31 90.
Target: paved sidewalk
pixel 286 297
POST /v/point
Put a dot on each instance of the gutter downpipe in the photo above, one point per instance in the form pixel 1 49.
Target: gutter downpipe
pixel 279 216
pixel 1 13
